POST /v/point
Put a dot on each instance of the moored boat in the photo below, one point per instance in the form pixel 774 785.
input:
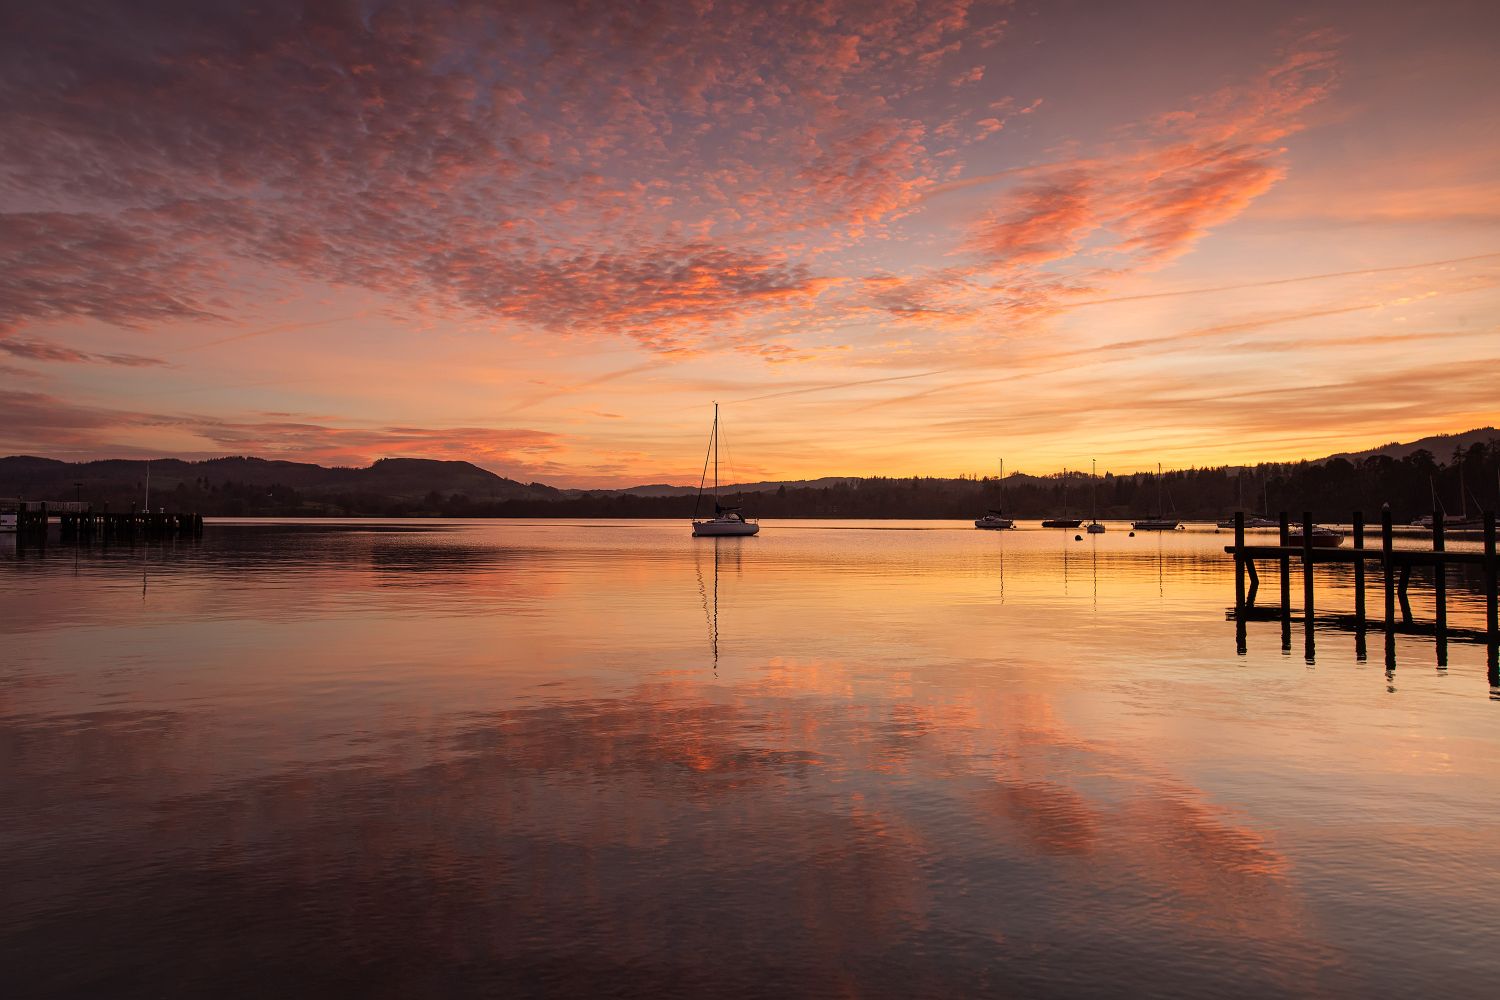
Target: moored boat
pixel 1094 528
pixel 1251 521
pixel 1322 537
pixel 1063 522
pixel 996 519
pixel 726 521
pixel 1158 521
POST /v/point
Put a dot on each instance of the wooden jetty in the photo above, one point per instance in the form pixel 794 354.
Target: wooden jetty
pixel 1396 567
pixel 79 522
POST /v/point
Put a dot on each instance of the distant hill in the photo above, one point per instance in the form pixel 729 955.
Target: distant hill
pixel 204 485
pixel 1441 446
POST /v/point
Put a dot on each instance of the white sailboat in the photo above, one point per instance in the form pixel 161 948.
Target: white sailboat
pixel 1463 522
pixel 1094 528
pixel 726 520
pixel 996 520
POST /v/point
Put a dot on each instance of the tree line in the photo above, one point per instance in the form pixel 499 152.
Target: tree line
pixel 1330 489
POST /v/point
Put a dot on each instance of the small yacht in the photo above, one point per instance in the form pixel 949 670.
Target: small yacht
pixel 1063 522
pixel 1094 528
pixel 1322 537
pixel 1463 522
pixel 996 519
pixel 726 520
pixel 1158 522
pixel 1251 521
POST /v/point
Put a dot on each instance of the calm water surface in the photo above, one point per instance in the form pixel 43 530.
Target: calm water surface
pixel 839 759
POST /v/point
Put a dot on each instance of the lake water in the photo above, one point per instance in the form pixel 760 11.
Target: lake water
pixel 875 759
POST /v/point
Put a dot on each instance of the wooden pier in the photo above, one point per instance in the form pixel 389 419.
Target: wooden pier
pixel 79 523
pixel 1396 567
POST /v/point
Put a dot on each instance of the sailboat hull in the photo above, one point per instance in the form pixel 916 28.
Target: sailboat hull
pixel 1155 524
pixel 720 529
pixel 1062 522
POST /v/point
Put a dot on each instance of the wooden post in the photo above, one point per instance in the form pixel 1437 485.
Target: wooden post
pixel 1491 625
pixel 1239 582
pixel 1359 569
pixel 1239 564
pixel 1359 586
pixel 1386 546
pixel 1440 589
pixel 1308 612
pixel 1284 539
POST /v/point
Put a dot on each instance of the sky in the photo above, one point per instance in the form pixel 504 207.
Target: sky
pixel 903 237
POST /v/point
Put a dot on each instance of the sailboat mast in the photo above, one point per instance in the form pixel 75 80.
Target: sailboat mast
pixel 716 454
pixel 1158 489
pixel 1463 494
pixel 1094 489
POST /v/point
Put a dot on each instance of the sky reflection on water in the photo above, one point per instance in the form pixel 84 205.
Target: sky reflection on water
pixel 412 759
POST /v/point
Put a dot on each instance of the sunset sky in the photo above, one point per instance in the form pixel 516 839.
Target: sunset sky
pixel 898 237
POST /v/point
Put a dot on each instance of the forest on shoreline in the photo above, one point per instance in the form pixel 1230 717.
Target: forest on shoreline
pixel 1331 489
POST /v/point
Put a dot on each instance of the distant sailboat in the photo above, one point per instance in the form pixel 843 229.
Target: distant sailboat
pixel 1095 528
pixel 1160 522
pixel 1251 520
pixel 726 520
pixel 1063 522
pixel 1461 523
pixel 996 519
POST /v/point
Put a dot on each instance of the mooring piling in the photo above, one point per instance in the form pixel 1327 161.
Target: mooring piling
pixel 1387 547
pixel 1440 590
pixel 1285 540
pixel 1308 613
pixel 1491 625
pixel 1359 588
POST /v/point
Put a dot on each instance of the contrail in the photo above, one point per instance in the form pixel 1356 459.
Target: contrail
pixel 279 328
pixel 1283 281
pixel 841 385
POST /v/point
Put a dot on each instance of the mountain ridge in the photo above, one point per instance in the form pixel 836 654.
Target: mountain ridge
pixel 393 486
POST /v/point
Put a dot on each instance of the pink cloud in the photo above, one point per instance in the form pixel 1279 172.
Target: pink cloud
pixel 599 170
pixel 1155 198
pixel 42 350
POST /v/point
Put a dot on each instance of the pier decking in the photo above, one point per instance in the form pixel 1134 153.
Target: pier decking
pixel 1388 559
